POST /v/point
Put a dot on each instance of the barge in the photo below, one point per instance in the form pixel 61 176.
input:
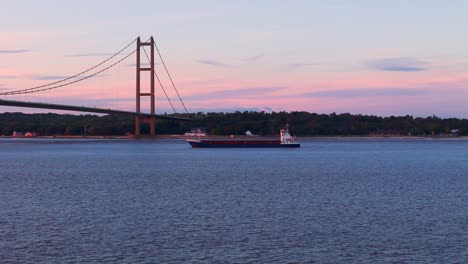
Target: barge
pixel 285 141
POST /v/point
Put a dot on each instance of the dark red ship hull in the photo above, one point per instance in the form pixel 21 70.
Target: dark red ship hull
pixel 241 144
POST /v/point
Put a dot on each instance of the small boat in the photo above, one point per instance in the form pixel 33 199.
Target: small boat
pixel 285 141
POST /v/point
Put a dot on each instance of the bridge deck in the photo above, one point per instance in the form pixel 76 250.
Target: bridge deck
pixel 83 109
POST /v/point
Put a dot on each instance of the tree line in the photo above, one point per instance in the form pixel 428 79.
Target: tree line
pixel 237 123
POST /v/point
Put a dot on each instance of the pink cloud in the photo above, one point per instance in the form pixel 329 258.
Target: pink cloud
pixel 360 83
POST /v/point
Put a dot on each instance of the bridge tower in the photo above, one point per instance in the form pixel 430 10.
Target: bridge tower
pixel 139 94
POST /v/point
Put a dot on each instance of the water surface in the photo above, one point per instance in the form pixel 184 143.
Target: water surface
pixel 331 201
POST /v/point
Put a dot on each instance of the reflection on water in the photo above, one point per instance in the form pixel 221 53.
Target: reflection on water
pixel 331 201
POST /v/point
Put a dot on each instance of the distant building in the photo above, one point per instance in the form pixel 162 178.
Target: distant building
pixel 249 134
pixel 30 134
pixel 196 132
pixel 27 134
pixel 17 134
pixel 454 132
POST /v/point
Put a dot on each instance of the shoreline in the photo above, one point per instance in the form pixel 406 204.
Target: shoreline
pixel 183 137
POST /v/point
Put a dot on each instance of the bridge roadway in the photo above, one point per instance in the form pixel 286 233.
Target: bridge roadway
pixel 84 109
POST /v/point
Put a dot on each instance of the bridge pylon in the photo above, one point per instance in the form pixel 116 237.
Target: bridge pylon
pixel 139 94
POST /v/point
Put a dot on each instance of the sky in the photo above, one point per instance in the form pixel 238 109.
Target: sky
pixel 383 58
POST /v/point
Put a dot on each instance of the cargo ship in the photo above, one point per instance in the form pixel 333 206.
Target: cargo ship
pixel 285 141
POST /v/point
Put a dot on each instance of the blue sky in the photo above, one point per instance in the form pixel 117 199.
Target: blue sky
pixel 370 57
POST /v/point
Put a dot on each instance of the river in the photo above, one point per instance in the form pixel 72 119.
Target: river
pixel 159 201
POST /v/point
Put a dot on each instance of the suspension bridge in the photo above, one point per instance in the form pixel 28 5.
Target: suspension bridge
pixel 100 69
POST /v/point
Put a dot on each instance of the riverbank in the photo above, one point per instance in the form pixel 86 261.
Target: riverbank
pixel 183 137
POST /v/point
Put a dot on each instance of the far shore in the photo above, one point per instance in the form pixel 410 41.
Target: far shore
pixel 183 137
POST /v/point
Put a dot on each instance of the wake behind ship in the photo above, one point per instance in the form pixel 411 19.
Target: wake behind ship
pixel 285 141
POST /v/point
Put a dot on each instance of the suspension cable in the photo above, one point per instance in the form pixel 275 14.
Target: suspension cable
pixel 160 83
pixel 170 78
pixel 69 83
pixel 71 77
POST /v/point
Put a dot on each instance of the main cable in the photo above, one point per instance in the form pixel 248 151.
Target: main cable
pixel 71 77
pixel 66 84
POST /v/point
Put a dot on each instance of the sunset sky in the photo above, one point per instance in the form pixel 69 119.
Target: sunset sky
pixel 364 56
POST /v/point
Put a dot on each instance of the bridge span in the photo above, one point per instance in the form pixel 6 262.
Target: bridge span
pixel 84 109
pixel 98 69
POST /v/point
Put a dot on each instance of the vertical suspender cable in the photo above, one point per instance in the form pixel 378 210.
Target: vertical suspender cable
pixel 39 88
pixel 160 83
pixel 170 78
